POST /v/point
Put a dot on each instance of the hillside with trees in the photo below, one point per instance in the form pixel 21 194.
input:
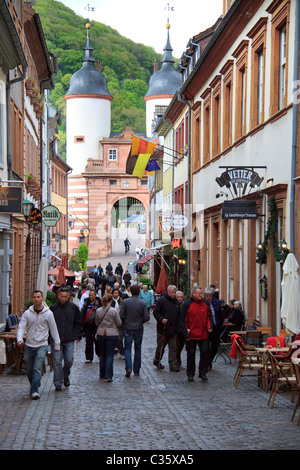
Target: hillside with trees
pixel 126 65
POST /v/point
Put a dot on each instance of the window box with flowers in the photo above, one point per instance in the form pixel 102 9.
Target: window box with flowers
pixel 29 85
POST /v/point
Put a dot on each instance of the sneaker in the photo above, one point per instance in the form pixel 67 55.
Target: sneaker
pixel 108 380
pixel 190 379
pixel 58 388
pixel 66 382
pixel 87 361
pixel 174 369
pixel 34 396
pixel 203 377
pixel 128 372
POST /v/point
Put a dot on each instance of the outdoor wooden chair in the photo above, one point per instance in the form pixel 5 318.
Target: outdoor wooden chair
pixel 254 338
pixel 296 367
pixel 249 361
pixel 282 376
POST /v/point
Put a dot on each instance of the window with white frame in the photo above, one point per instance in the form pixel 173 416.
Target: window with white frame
pixel 112 155
pixel 2 127
pixel 282 63
pixel 260 85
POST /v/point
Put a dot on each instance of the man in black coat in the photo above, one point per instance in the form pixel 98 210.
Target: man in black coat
pixel 217 318
pixel 70 328
pixel 166 313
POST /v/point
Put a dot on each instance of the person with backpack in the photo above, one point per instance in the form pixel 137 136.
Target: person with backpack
pixel 90 306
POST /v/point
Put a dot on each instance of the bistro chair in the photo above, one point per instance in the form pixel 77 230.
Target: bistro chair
pixel 249 361
pixel 296 367
pixel 282 375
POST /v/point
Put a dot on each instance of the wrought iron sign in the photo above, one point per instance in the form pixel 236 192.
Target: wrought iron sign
pixel 239 181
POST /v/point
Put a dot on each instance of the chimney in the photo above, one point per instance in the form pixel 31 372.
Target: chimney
pixel 155 68
pixel 99 65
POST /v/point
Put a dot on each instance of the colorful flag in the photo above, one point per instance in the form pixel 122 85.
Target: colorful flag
pixel 152 166
pixel 141 164
pixel 139 148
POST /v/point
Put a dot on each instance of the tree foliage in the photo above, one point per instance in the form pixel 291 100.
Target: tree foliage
pixel 126 65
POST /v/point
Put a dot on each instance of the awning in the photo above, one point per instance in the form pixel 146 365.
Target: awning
pixel 144 260
pixel 158 247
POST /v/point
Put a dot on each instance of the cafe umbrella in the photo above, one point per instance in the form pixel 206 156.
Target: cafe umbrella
pixel 42 277
pixel 290 285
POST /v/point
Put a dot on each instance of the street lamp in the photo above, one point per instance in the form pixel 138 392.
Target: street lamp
pixel 27 206
pixel 259 245
pixel 283 245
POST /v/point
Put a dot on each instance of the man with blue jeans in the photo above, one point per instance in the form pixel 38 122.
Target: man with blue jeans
pixel 36 321
pixel 134 313
pixel 70 328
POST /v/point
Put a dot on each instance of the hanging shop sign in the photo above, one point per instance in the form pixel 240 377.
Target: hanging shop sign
pixel 176 243
pixel 239 210
pixel 239 179
pixel 10 199
pixel 50 215
pixel 35 216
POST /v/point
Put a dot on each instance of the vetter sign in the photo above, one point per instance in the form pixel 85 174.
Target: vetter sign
pixel 50 215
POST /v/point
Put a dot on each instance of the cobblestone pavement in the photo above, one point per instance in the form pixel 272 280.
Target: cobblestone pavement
pixel 158 410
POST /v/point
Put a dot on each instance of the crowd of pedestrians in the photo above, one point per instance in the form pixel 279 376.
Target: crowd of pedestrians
pixel 111 321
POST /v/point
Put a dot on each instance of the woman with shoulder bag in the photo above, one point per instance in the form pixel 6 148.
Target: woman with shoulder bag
pixel 108 323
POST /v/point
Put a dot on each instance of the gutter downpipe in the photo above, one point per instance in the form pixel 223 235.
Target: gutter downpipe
pixel 295 130
pixel 189 179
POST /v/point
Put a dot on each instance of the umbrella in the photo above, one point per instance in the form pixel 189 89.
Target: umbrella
pixel 55 272
pixel 290 285
pixel 163 282
pixel 144 260
pixel 42 277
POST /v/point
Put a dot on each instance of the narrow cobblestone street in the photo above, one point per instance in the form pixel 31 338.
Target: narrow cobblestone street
pixel 158 410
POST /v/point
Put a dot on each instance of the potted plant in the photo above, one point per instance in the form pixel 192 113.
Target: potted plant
pixel 29 84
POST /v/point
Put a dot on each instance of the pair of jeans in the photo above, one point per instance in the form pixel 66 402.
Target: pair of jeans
pixel 62 362
pixel 191 346
pixel 107 346
pixel 34 359
pixel 136 337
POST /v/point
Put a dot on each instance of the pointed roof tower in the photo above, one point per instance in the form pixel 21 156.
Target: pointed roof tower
pixel 167 80
pixel 88 80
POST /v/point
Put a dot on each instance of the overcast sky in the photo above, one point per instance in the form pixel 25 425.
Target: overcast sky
pixel 145 21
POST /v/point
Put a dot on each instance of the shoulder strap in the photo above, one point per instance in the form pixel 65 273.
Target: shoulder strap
pixel 104 315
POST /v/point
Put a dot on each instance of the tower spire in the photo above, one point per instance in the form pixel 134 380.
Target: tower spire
pixel 168 48
pixel 88 50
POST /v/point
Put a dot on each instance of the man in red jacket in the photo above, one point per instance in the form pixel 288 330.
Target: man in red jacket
pixel 196 326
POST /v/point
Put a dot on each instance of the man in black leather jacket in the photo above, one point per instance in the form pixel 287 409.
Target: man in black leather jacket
pixel 70 328
pixel 166 313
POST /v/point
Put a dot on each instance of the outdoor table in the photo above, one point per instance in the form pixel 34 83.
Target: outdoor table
pixel 13 354
pixel 224 346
